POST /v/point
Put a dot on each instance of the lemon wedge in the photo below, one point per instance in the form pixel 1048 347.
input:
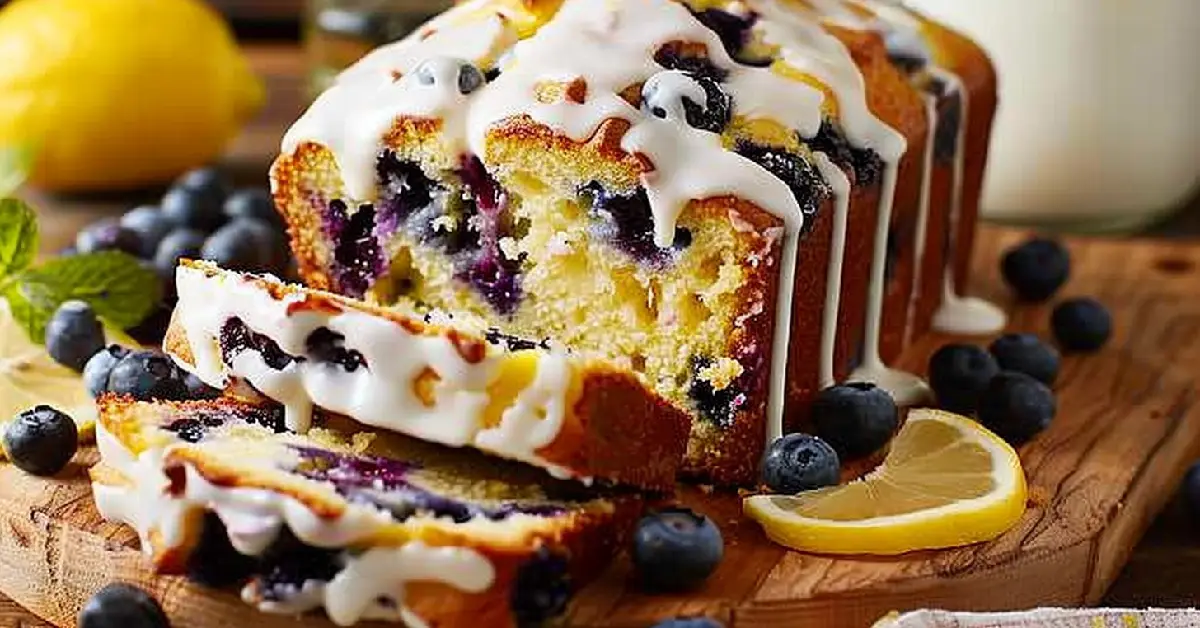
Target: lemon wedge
pixel 29 377
pixel 946 482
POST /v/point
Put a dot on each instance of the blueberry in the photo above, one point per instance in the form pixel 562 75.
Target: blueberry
pixel 68 251
pixel 856 419
pixel 865 163
pixel 243 245
pixel 120 605
pixel 74 334
pixel 150 226
pixel 959 374
pixel 497 280
pixel 166 278
pixel 97 370
pixel 732 28
pixel 147 375
pixel 326 346
pixel 277 254
pixel 674 56
pixel 676 549
pixel 1081 325
pixel 1016 407
pixel 41 440
pixel 358 256
pixel 669 95
pixel 107 235
pixel 802 178
pixel 253 203
pixel 799 462
pixel 178 244
pixel 469 78
pixel 151 330
pixel 197 389
pixel 1191 490
pixel 627 223
pixel 193 208
pixel 1036 269
pixel 1026 353
pixel 215 562
pixel 465 76
pixel 542 589
pixel 689 622
pixel 208 181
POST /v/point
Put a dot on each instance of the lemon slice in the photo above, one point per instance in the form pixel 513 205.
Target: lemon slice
pixel 946 482
pixel 29 377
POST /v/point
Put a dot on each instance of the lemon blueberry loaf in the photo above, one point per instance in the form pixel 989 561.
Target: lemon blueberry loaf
pixel 575 416
pixel 726 197
pixel 367 527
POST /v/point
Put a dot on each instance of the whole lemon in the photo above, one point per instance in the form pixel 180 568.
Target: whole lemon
pixel 116 94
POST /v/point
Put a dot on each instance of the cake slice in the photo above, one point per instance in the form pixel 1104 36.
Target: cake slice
pixel 575 416
pixel 365 526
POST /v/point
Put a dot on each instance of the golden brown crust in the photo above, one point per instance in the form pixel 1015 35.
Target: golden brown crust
pixel 895 101
pixel 966 60
pixel 301 181
pixel 563 161
pixel 613 403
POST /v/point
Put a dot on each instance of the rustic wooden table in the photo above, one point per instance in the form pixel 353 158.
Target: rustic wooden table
pixel 1164 570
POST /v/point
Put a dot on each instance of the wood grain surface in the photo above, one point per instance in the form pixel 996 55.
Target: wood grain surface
pixel 1127 427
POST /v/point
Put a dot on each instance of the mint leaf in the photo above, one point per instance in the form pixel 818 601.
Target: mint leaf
pixel 15 164
pixel 18 236
pixel 24 312
pixel 116 285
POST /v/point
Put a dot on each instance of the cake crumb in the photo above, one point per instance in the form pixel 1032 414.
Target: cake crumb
pixel 510 248
pixel 445 223
pixel 361 442
pixel 559 244
pixel 721 373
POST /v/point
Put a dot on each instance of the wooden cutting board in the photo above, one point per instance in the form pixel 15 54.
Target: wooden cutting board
pixel 1128 426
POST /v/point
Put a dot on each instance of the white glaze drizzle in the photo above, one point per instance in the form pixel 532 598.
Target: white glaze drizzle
pixel 837 251
pixel 805 45
pixel 523 427
pixel 931 114
pixel 353 115
pixel 388 570
pixel 970 316
pixel 905 388
pixel 381 394
pixel 253 519
pixel 956 314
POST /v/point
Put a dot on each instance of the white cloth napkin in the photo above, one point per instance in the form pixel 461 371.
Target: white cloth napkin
pixel 1048 618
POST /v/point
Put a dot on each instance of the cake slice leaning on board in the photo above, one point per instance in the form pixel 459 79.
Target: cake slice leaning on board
pixel 732 199
pixel 573 416
pixel 366 526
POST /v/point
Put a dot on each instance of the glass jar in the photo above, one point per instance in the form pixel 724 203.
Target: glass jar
pixel 1099 121
pixel 339 32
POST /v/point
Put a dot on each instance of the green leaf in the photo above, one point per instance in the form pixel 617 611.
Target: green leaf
pixel 18 236
pixel 116 285
pixel 24 312
pixel 15 164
